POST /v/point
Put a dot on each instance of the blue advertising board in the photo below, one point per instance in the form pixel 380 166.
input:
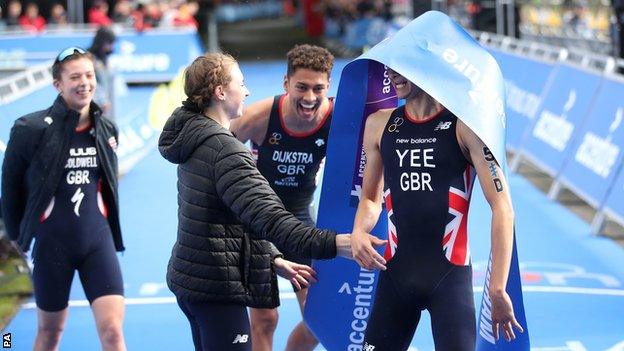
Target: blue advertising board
pixel 152 56
pixel 564 107
pixel 523 91
pixel 37 100
pixel 614 205
pixel 352 292
pixel 595 157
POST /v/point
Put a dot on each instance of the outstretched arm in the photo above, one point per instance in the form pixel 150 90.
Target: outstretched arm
pixel 254 122
pixel 496 191
pixel 369 207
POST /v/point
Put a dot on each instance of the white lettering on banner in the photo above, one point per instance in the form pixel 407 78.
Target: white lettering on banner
pixel 362 164
pixel 362 306
pixel 597 154
pixel 141 62
pixel 553 130
pixel 386 82
pixel 485 321
pixel 521 101
pixel 617 347
pixel 479 94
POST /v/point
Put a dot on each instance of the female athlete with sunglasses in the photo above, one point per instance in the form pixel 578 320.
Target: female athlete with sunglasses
pixel 59 186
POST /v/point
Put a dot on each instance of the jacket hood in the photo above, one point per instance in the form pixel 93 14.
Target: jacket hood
pixel 184 131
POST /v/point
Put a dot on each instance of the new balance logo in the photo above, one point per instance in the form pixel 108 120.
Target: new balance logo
pixel 241 339
pixel 368 347
pixel 443 126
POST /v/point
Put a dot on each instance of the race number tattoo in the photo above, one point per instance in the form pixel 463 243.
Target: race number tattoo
pixel 487 154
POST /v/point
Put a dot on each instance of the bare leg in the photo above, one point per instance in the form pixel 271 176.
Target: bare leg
pixel 49 329
pixel 301 338
pixel 109 312
pixel 263 324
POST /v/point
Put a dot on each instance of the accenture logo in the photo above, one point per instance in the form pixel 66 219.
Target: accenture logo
pixel 479 94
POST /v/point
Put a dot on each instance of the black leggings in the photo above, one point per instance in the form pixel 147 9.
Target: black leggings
pixel 218 326
pixel 397 310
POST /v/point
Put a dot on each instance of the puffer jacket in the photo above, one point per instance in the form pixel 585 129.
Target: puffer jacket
pixel 226 213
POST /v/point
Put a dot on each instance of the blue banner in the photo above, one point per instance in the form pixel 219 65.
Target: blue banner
pixel 364 90
pixel 523 92
pixel 595 157
pixel 38 100
pixel 565 105
pixel 453 68
pixel 614 205
pixel 152 56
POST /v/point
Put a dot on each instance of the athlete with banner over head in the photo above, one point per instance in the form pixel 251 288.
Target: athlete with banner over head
pixel 289 133
pixel 424 157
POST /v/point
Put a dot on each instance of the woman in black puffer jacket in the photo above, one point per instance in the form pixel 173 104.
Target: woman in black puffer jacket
pixel 222 261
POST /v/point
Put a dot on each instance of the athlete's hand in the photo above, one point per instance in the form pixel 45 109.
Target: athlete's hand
pixel 503 319
pixel 300 275
pixel 363 248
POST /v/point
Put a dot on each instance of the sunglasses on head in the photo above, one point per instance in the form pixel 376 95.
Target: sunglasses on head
pixel 68 52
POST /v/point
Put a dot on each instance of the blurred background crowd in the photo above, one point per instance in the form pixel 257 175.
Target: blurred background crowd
pixel 351 23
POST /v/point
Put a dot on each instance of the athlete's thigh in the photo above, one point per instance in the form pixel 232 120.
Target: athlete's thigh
pixel 99 270
pixel 453 312
pixel 222 327
pixel 52 276
pixel 108 312
pixel 393 321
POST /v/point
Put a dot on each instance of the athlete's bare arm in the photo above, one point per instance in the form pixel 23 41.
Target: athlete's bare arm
pixel 496 191
pixel 254 122
pixel 369 207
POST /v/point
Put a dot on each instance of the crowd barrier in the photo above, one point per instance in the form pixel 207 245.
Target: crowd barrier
pixel 565 114
pixel 143 57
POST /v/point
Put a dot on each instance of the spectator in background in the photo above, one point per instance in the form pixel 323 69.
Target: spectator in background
pixel 186 15
pixel 2 21
pixel 58 16
pixel 31 20
pixel 618 11
pixel 152 15
pixel 169 11
pixel 142 19
pixel 313 18
pixel 122 13
pixel 101 48
pixel 14 10
pixel 98 14
pixel 576 20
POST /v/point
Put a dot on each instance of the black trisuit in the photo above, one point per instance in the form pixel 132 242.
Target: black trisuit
pixel 74 233
pixel 428 183
pixel 290 162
